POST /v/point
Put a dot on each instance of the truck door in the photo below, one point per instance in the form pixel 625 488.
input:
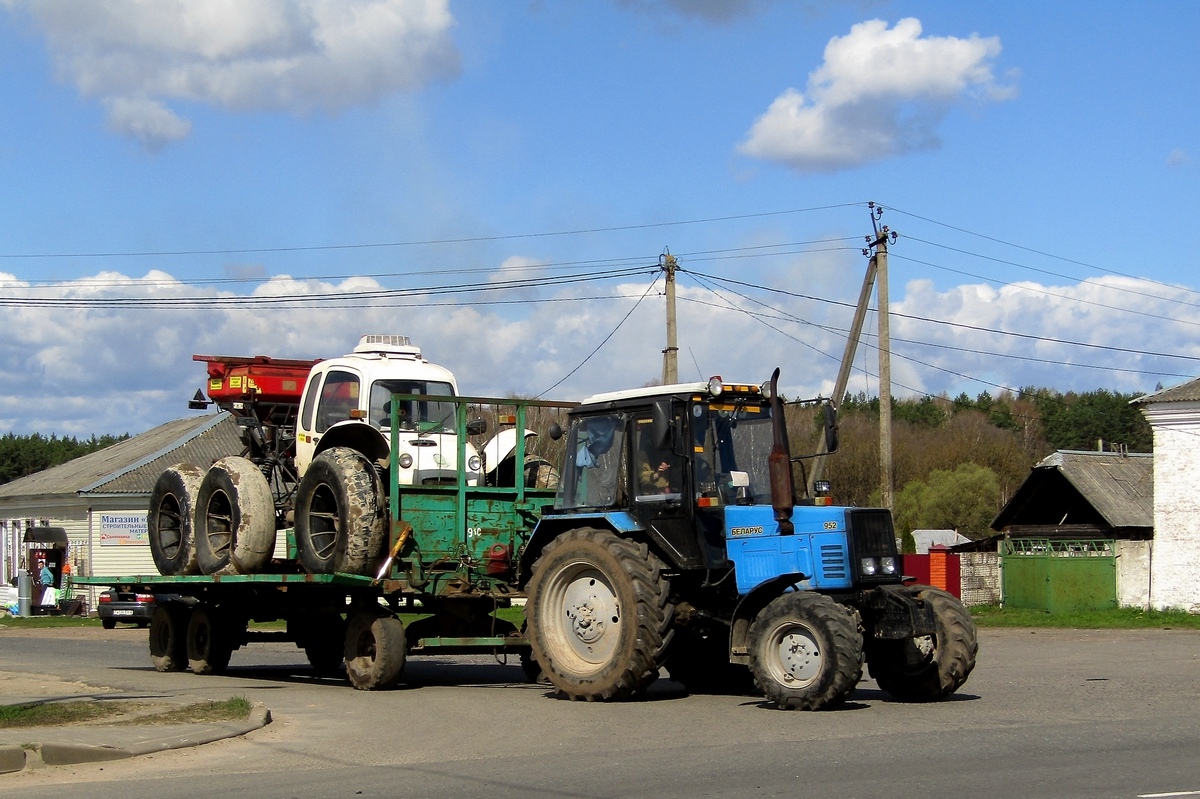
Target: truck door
pixel 328 399
pixel 661 489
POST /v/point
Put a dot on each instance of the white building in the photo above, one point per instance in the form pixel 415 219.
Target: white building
pixel 1174 414
pixel 101 499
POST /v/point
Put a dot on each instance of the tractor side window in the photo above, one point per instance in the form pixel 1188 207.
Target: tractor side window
pixel 595 472
pixel 339 396
pixel 310 403
pixel 659 471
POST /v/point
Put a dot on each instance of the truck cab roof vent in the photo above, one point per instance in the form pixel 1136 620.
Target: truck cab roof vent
pixel 387 344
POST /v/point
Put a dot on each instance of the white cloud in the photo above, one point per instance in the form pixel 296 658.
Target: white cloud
pixel 295 56
pixel 880 92
pixel 127 368
pixel 1177 157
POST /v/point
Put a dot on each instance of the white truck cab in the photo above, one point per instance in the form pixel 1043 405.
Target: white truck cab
pixel 346 403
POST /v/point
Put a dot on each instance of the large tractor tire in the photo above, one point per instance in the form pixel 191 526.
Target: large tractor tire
pixel 932 667
pixel 805 651
pixel 375 651
pixel 701 665
pixel 235 519
pixel 600 612
pixel 168 636
pixel 209 641
pixel 171 522
pixel 340 518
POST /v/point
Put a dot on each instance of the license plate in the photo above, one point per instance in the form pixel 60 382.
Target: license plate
pixel 122 612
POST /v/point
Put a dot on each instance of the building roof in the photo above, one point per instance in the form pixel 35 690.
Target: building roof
pixel 1184 392
pixel 1107 488
pixel 132 466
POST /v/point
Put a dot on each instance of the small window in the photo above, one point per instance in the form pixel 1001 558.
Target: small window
pixel 339 396
pixel 310 402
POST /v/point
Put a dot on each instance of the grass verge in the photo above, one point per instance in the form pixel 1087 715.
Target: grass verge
pixel 51 714
pixel 38 622
pixel 1111 619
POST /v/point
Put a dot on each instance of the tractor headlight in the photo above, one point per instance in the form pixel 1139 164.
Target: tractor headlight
pixel 868 567
pixel 473 463
pixel 405 460
pixel 888 565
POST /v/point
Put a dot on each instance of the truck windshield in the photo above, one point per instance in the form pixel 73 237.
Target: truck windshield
pixel 738 438
pixel 424 416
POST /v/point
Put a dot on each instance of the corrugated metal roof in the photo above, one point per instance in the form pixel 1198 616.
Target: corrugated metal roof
pixel 132 466
pixel 1184 392
pixel 1119 487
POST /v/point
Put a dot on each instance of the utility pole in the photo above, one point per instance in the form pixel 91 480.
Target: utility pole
pixel 880 244
pixel 670 373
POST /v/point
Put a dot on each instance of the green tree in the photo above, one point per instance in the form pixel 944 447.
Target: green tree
pixel 23 455
pixel 965 499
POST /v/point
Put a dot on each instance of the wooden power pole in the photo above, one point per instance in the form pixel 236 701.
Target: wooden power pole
pixel 670 373
pixel 885 369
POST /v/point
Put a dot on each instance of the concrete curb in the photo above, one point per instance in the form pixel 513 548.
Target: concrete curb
pixel 16 758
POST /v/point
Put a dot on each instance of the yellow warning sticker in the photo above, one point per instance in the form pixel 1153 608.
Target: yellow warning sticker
pixel 214 385
pixel 235 381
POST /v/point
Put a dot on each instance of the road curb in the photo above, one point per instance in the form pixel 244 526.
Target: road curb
pixel 16 758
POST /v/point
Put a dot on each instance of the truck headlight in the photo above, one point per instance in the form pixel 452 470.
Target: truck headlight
pixel 405 460
pixel 868 567
pixel 888 565
pixel 473 463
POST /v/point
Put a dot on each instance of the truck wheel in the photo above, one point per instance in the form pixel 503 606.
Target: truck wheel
pixel 340 525
pixel 171 522
pixel 701 664
pixel 375 651
pixel 931 667
pixel 235 518
pixel 805 651
pixel 168 637
pixel 208 641
pixel 324 641
pixel 600 612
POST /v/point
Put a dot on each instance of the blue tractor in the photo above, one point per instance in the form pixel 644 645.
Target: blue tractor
pixel 676 541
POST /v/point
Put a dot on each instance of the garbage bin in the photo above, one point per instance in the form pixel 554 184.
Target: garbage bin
pixel 24 593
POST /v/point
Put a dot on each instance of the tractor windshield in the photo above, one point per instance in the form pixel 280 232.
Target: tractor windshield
pixel 425 416
pixel 735 445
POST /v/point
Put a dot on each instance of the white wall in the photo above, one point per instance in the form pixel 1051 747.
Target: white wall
pixel 1134 559
pixel 1175 573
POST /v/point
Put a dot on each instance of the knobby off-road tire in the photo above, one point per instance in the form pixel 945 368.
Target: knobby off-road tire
pixel 209 644
pixel 168 637
pixel 701 664
pixel 375 651
pixel 805 651
pixel 340 519
pixel 600 612
pixel 171 521
pixel 932 667
pixel 235 518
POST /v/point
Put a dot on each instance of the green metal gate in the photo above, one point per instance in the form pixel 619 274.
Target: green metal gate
pixel 1059 575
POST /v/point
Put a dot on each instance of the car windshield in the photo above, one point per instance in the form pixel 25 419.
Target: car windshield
pixel 426 416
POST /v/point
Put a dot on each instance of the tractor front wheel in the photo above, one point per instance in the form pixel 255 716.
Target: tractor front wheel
pixel 927 668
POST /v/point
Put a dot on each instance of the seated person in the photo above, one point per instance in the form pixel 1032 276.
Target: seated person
pixel 655 479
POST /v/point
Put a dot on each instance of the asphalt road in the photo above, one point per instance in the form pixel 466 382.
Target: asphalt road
pixel 1045 714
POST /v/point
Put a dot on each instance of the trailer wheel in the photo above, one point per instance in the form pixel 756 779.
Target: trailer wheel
pixel 701 664
pixel 340 525
pixel 928 668
pixel 208 641
pixel 235 518
pixel 168 637
pixel 600 612
pixel 805 651
pixel 171 521
pixel 375 651
pixel 324 643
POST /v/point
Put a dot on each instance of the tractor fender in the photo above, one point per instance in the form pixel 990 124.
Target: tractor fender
pixel 358 436
pixel 750 605
pixel 550 527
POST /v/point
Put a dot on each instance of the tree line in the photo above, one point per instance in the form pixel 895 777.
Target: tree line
pixel 956 462
pixel 24 455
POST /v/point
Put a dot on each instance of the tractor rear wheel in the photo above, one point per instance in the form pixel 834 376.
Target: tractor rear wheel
pixel 235 519
pixel 805 651
pixel 340 524
pixel 171 521
pixel 927 668
pixel 600 612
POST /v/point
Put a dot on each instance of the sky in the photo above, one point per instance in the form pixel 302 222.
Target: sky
pixel 501 183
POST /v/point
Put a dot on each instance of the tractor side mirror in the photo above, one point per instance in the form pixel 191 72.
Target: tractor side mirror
pixel 555 432
pixel 831 429
pixel 477 427
pixel 660 427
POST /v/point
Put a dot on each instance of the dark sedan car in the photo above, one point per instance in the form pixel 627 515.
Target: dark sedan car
pixel 125 607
